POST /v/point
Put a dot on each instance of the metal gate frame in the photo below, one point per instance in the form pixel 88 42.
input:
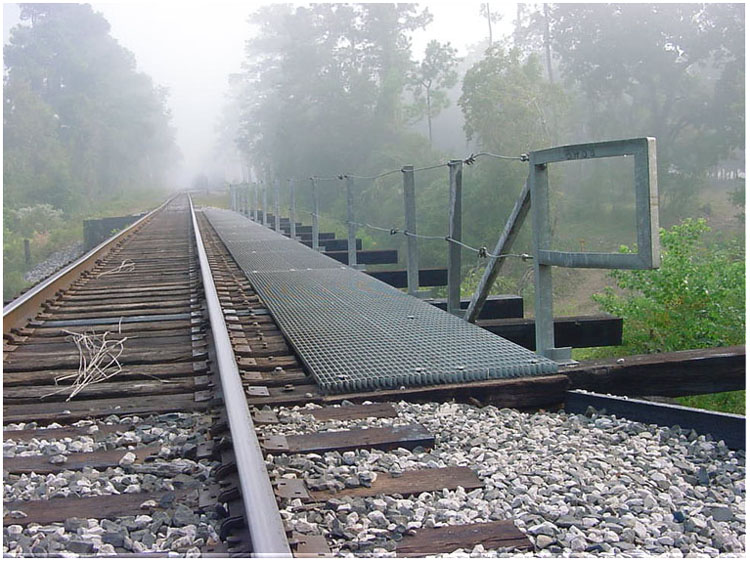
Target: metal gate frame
pixel 647 225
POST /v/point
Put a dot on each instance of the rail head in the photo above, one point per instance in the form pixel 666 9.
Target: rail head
pixel 262 516
pixel 19 311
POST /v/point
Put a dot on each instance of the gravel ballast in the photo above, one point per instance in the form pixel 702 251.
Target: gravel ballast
pixel 169 522
pixel 577 485
pixel 54 263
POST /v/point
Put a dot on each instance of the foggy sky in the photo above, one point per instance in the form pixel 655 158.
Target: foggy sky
pixel 192 47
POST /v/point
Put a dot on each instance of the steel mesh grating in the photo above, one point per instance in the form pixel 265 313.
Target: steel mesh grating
pixel 356 333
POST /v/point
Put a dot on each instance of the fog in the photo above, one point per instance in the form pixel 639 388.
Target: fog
pixel 193 47
pixel 107 106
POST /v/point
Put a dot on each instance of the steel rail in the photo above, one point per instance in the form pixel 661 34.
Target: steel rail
pixel 728 427
pixel 19 311
pixel 261 511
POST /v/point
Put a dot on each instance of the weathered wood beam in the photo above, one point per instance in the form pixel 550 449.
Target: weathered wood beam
pixel 570 331
pixel 679 373
pixel 366 256
pixel 332 245
pixel 397 277
pixel 495 307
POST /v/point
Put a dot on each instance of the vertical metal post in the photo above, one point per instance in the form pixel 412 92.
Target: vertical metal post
pixel 255 201
pixel 292 211
pixel 504 243
pixel 543 320
pixel 410 216
pixel 276 209
pixel 244 200
pixel 454 231
pixel 264 221
pixel 351 243
pixel 316 212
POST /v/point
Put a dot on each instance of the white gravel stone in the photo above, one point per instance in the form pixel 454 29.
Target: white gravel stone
pixel 578 485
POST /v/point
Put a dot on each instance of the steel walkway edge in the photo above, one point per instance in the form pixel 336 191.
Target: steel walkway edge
pixel 355 333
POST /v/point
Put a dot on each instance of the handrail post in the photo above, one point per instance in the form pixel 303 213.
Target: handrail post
pixel 316 212
pixel 454 231
pixel 255 201
pixel 292 211
pixel 351 243
pixel 276 206
pixel 265 204
pixel 410 216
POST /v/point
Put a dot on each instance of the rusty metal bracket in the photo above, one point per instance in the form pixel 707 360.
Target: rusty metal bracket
pixel 257 391
pixel 309 546
pixel 275 444
pixel 292 488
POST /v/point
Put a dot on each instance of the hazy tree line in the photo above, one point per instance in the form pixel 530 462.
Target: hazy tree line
pixel 333 88
pixel 81 126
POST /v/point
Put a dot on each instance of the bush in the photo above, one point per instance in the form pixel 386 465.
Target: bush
pixel 696 299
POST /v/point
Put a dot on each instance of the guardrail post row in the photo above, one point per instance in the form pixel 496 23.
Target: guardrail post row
pixel 410 220
pixel 316 212
pixel 351 240
pixel 454 231
pixel 292 211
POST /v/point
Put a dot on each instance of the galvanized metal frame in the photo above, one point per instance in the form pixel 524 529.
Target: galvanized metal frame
pixel 316 214
pixel 351 240
pixel 410 222
pixel 647 224
pixel 276 205
pixel 264 211
pixel 262 517
pixel 455 170
pixel 292 211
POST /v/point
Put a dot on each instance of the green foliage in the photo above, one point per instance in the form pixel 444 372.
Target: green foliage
pixel 731 402
pixel 80 123
pixel 696 299
pixel 322 87
pixel 429 80
pixel 27 221
pixel 671 71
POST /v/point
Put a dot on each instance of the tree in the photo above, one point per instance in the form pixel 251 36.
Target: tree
pixel 430 79
pixel 506 102
pixel 72 89
pixel 673 71
pixel 332 72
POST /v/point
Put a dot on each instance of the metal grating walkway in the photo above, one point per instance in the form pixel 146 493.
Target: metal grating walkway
pixel 356 333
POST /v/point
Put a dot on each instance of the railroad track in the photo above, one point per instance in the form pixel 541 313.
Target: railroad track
pixel 147 460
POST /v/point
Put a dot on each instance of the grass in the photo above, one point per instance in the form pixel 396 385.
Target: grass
pixel 67 232
pixel 728 402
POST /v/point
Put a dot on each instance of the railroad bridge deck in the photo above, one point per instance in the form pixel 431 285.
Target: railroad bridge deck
pixel 355 333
